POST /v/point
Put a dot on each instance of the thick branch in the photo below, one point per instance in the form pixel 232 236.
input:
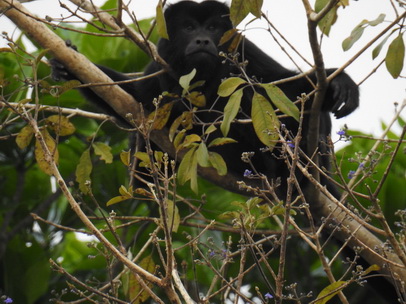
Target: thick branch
pixel 117 98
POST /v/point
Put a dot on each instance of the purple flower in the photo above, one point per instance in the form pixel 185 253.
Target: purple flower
pixel 8 300
pixel 247 173
pixel 351 174
pixel 268 296
pixel 341 132
pixel 290 144
pixel 361 165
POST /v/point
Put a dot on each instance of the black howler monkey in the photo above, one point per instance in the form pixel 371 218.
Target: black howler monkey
pixel 195 30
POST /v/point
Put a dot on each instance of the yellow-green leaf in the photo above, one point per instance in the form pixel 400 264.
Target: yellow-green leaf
pixel 395 56
pixel 227 36
pixel 196 98
pixel 134 287
pixel 281 101
pixel 329 19
pixel 125 192
pixel 228 86
pixel 189 140
pixel 160 21
pixel 117 199
pixel 24 137
pixel 188 169
pixel 179 138
pixel 40 154
pixel 241 8
pixel 231 110
pixel 185 80
pixel 327 293
pixel 218 163
pixel 266 124
pixel 203 155
pixel 104 151
pixel 61 125
pixel 125 157
pixel 186 120
pixel 210 129
pixel 371 268
pixel 69 85
pixel 144 158
pixel 83 171
pixel 219 141
pixel 173 216
pixel 160 116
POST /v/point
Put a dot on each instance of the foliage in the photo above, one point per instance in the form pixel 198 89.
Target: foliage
pixel 220 241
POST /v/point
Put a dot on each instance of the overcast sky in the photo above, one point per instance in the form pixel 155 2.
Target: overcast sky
pixel 378 93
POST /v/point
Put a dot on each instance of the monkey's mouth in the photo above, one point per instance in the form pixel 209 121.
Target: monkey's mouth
pixel 199 53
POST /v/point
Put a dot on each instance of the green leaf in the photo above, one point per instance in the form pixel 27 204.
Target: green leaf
pixel 178 139
pixel 218 163
pixel 231 110
pixel 241 8
pixel 104 151
pixel 228 86
pixel 160 21
pixel 203 155
pixel 24 137
pixel 395 56
pixel 83 171
pixel 378 48
pixel 266 124
pixel 329 19
pixel 185 80
pixel 327 293
pixel 354 37
pixel 379 20
pixel 188 168
pixel 281 101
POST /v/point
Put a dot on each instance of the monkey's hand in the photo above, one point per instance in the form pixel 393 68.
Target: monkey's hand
pixel 59 71
pixel 342 96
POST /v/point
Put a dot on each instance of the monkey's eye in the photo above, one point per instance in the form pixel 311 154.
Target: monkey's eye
pixel 189 28
pixel 211 27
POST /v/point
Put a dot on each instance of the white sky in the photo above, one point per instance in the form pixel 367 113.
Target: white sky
pixel 378 93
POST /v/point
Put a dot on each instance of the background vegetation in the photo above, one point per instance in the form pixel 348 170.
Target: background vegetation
pixel 73 229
